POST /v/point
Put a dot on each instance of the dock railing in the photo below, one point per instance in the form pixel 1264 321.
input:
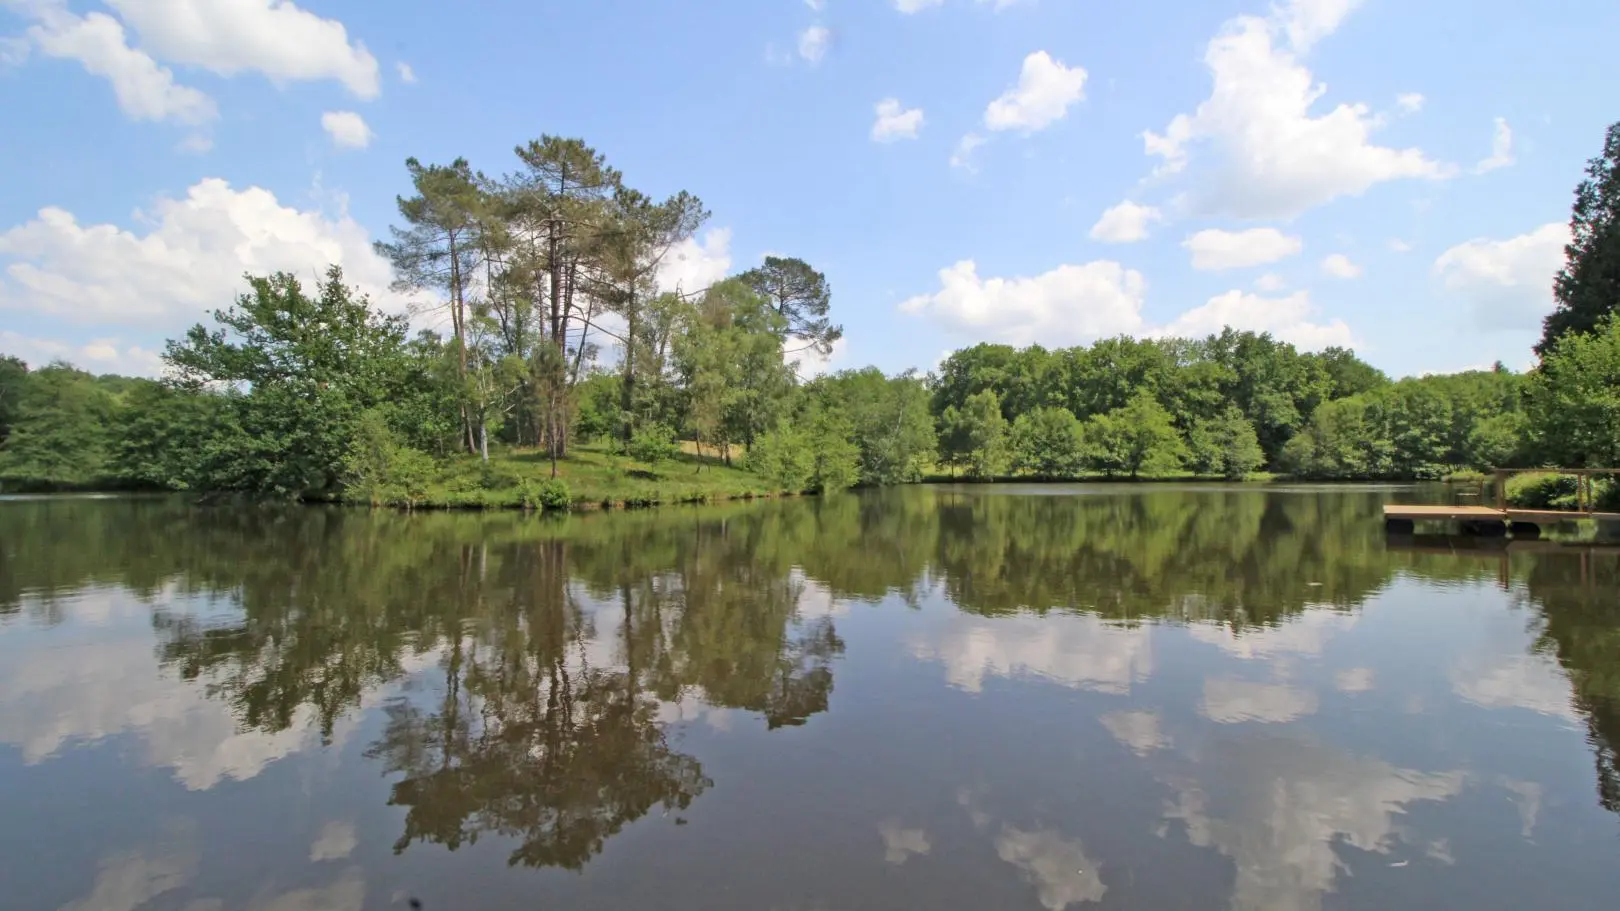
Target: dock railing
pixel 1585 497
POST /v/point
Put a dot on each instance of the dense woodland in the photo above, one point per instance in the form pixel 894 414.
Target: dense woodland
pixel 556 342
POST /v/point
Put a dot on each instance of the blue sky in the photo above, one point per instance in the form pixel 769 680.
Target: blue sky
pixel 1393 176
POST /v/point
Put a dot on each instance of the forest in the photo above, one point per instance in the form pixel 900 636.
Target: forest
pixel 562 372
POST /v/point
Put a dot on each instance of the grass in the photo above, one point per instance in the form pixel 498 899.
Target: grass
pixel 596 477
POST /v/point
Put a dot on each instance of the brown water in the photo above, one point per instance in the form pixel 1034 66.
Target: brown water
pixel 933 698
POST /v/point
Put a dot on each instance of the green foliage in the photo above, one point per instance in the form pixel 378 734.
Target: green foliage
pixel 1138 438
pixel 988 454
pixel 550 494
pixel 1226 446
pixel 1542 490
pixel 309 366
pixel 380 471
pixel 799 295
pixel 1049 443
pixel 653 444
pixel 1574 399
pixel 888 419
pixel 784 457
pixel 164 437
pixel 13 375
pixel 1587 289
pixel 60 433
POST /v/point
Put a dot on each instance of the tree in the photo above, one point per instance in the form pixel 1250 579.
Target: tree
pixel 1048 442
pixel 889 421
pixel 438 250
pixel 986 430
pixel 164 436
pixel 1588 287
pixel 59 438
pixel 1574 399
pixel 13 375
pixel 307 366
pixel 1136 438
pixel 1226 446
pixel 799 294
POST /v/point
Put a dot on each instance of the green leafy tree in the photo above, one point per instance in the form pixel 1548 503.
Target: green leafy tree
pixel 988 454
pixel 60 432
pixel 1574 399
pixel 1137 438
pixel 1048 442
pixel 164 437
pixel 307 367
pixel 889 421
pixel 1588 288
pixel 13 375
pixel 1226 446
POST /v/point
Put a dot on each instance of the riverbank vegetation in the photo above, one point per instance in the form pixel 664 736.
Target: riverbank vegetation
pixel 555 363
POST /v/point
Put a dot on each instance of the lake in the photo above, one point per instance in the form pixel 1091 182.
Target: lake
pixel 1060 697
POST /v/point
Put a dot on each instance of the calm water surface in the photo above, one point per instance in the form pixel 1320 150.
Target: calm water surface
pixel 930 698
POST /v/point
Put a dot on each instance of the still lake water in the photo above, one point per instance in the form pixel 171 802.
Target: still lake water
pixel 926 698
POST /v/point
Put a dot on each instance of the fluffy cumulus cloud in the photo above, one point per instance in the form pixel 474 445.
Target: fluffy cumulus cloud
pixel 1508 282
pixel 1068 305
pixel 1125 223
pixel 274 37
pixel 813 43
pixel 1292 319
pixel 1045 91
pixel 1409 102
pixel 186 260
pixel 696 263
pixel 347 129
pixel 895 121
pixel 145 90
pixel 1276 156
pixel 1080 652
pixel 1215 250
pixel 1058 867
pixel 1339 266
pixel 1238 701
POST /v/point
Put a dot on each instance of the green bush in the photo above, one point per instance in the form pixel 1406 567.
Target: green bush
pixel 784 457
pixel 1542 490
pixel 492 476
pixel 553 494
pixel 653 444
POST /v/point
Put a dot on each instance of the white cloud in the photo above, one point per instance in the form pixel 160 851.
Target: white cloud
pixel 1304 635
pixel 962 154
pixel 1288 318
pixel 1397 245
pixel 335 842
pixel 1409 102
pixel 900 844
pixel 1237 701
pixel 14 50
pixel 406 74
pixel 1270 282
pixel 913 6
pixel 1277 159
pixel 1339 266
pixel 101 355
pixel 1509 282
pixel 1501 149
pixel 273 37
pixel 693 265
pixel 347 129
pixel 1214 250
pixel 1082 652
pixel 1139 730
pixel 188 260
pixel 813 43
pixel 1045 90
pixel 1068 305
pixel 1124 223
pixel 810 364
pixel 145 90
pixel 816 5
pixel 895 122
pixel 1531 682
pixel 1062 873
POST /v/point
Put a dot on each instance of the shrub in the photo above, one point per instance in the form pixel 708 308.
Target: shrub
pixel 549 494
pixel 1542 490
pixel 653 444
pixel 784 457
pixel 492 476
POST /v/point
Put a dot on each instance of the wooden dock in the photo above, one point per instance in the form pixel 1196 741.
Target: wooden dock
pixel 1497 520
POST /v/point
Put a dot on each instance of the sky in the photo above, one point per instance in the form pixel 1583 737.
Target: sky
pixel 1391 176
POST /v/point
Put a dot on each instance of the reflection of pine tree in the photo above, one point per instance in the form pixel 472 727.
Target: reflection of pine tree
pixel 1575 593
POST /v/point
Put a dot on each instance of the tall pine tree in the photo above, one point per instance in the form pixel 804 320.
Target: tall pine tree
pixel 1588 288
